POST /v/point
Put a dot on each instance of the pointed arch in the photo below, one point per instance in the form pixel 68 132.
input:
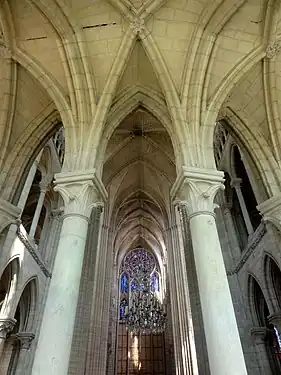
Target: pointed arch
pixel 27 304
pixel 273 280
pixel 9 280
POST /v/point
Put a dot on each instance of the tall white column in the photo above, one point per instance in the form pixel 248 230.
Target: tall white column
pixel 36 217
pixel 198 187
pixel 80 192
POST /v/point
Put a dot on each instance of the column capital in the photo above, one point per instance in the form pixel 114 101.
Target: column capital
pixel 236 182
pixel 81 191
pixel 275 319
pixel 259 334
pixel 25 339
pixel 271 210
pixel 6 326
pixel 196 188
pixel 8 214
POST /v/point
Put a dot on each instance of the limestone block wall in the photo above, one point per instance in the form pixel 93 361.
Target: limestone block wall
pixel 264 242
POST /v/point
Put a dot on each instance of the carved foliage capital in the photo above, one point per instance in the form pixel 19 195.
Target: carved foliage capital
pixel 6 326
pixel 275 319
pixel 25 339
pixel 80 193
pixel 273 49
pixel 197 190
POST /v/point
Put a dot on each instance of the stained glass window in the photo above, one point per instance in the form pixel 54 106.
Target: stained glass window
pixel 145 353
pixel 155 282
pixel 124 288
pixel 136 265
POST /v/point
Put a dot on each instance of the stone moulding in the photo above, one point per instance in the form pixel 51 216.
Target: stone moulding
pixel 260 232
pixel 33 252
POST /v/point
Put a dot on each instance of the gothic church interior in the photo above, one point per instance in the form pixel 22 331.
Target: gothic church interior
pixel 140 177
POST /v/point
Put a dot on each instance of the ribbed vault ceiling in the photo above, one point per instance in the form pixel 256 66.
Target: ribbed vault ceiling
pixel 138 172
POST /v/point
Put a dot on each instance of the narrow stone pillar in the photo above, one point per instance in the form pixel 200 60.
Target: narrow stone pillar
pixel 198 350
pixel 80 192
pixel 6 326
pixel 25 340
pixel 231 233
pixel 179 352
pixel 50 244
pixel 188 350
pixel 28 182
pixel 259 335
pixel 236 183
pixel 36 217
pixel 198 187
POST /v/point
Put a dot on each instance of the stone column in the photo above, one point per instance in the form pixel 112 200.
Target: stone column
pixel 36 217
pixel 259 335
pixel 175 308
pixel 51 242
pixel 198 187
pixel 198 350
pixel 84 319
pixel 236 183
pixel 80 192
pixel 25 340
pixel 185 319
pixel 6 326
pixel 28 182
pixel 231 233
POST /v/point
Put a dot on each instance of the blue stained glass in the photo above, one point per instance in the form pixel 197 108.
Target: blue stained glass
pixel 155 283
pixel 134 286
pixel 124 283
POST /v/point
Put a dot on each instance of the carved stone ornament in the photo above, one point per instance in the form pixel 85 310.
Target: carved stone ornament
pixel 275 319
pixel 137 25
pixel 273 49
pixel 5 52
pixel 80 192
pixel 6 326
pixel 25 339
pixel 196 188
pixel 8 214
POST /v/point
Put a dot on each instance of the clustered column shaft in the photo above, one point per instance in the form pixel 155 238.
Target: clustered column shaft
pixel 80 194
pixel 198 187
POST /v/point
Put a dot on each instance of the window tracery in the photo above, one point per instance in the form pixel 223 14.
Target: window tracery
pixel 137 266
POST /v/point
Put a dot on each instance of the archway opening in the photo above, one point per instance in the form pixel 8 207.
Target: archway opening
pixel 138 173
